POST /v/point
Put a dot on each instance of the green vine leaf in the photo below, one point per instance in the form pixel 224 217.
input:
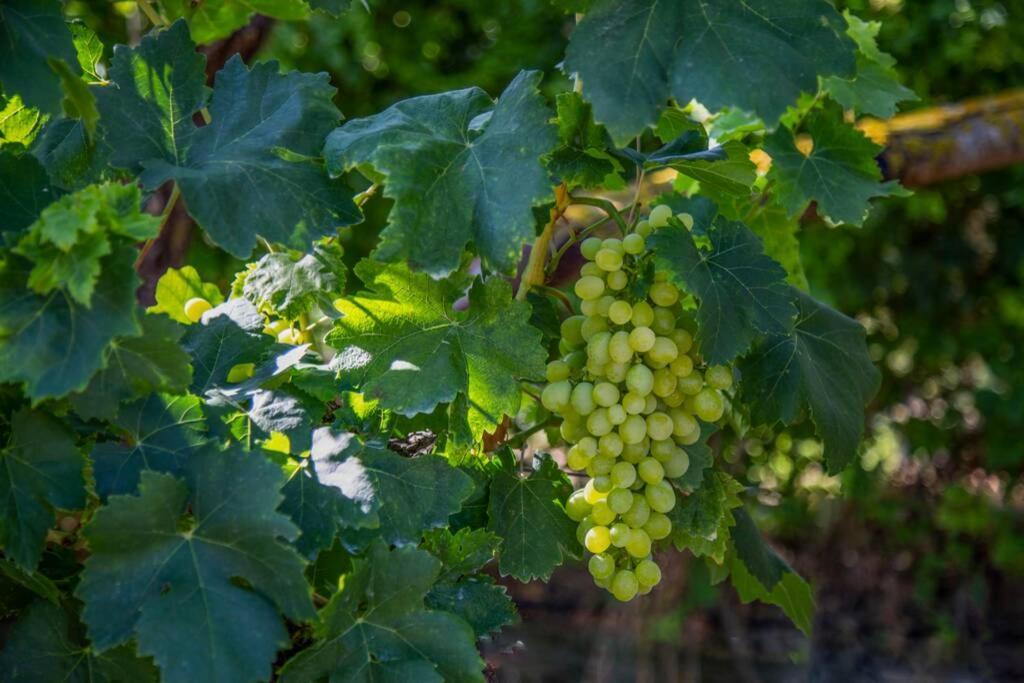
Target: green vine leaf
pixel 33 32
pixel 403 344
pixel 379 629
pixel 527 513
pixel 290 286
pixel 35 329
pixel 229 335
pixel 633 56
pixel 840 173
pixel 702 521
pixel 741 291
pixel 166 565
pixel 460 168
pixel 19 123
pixel 581 159
pixel 25 191
pixel 821 366
pixel 159 433
pixel 41 471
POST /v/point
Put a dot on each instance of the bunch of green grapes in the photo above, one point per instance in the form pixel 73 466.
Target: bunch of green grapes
pixel 629 390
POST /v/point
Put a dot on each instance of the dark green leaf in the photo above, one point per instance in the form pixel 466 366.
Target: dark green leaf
pixel 172 580
pixel 483 604
pixel 742 292
pixel 759 559
pixel 701 459
pixel 582 158
pixel 292 286
pixel 792 593
pixel 229 335
pixel 24 192
pixel 41 471
pixel 463 552
pixel 32 32
pixel 758 55
pixel 823 366
pixel 71 158
pixel 701 521
pixel 460 168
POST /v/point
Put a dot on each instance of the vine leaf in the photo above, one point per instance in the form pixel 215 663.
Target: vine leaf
pixel 840 173
pixel 701 458
pixel 378 628
pixel 742 292
pixel 173 580
pixel 229 334
pixel 160 433
pixel 32 32
pixel 404 345
pixel 528 514
pixel 290 286
pixel 757 556
pixel 823 366
pixel 20 124
pixel 25 191
pixel 581 158
pixel 460 167
pixel 73 158
pixel 633 56
pixel 701 521
pixel 135 366
pixel 45 644
pixel 41 471
pixel 35 329
pixel 725 169
pixel 177 286
pixel 212 20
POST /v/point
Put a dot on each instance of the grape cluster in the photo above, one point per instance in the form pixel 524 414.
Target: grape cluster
pixel 629 391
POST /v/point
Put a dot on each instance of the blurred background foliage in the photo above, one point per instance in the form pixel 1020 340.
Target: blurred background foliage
pixel 918 554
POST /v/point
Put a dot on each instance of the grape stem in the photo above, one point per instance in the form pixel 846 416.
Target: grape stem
pixel 165 215
pixel 576 238
pixel 605 206
pixel 365 195
pixel 151 14
pixel 533 274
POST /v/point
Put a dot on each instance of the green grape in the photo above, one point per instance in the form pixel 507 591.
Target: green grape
pixel 709 405
pixel 617 415
pixel 660 496
pixel 638 513
pixel 784 443
pixel 662 450
pixel 664 322
pixel 718 377
pixel 683 340
pixel 686 219
pixel 634 429
pixel 677 465
pixel 591 494
pixel 590 307
pixel 659 216
pixel 675 399
pixel 614 244
pixel 570 329
pixel 588 445
pixel 582 398
pixel 591 269
pixel 576 459
pixel 572 430
pixel 651 404
pixel 639 544
pixel 592 325
pixel 664 383
pixel 620 499
pixel 690 439
pixel 643 314
pixel 597 539
pixel 664 293
pixel 195 307
pixel 634 404
pixel 597 347
pixel 633 244
pixel 608 260
pixel 658 526
pixel 617 280
pixel 640 380
pixel 601 464
pixel 598 423
pixel 620 533
pixel 616 372
pixel 623 475
pixel 602 566
pixel 620 312
pixel 606 394
pixel 691 384
pixel 589 287
pixel 635 452
pixel 683 424
pixel 641 339
pixel 647 573
pixel 651 471
pixel 557 370
pixel 589 247
pixel 659 426
pixel 664 350
pixel 643 228
pixel 602 514
pixel 555 396
pixel 618 347
pixel 682 365
pixel 604 303
pixel 625 585
pixel 577 506
pixel 585 525
pixel 603 484
pixel 610 445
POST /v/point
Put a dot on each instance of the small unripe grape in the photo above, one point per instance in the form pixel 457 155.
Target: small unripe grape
pixel 240 372
pixel 577 506
pixel 592 325
pixel 616 372
pixel 601 566
pixel 784 443
pixel 589 287
pixel 590 307
pixel 643 228
pixel 708 405
pixel 682 365
pixel 677 465
pixel 582 398
pixel 718 377
pixel 592 495
pixel 570 329
pixel 639 544
pixel 620 533
pixel 598 539
pixel 659 426
pixel 591 269
pixel 640 380
pixel 623 475
pixel 691 384
pixel 664 383
pixel 617 414
pixel 625 585
pixel 195 307
pixel 647 573
pixel 620 312
pixel 557 370
pixel 617 280
pixel 683 424
pixel 575 360
pixel 683 340
pixel 658 526
pixel 597 347
pixel 660 496
pixel 606 394
pixel 589 247
pixel 555 396
pixel 643 314
pixel 651 471
pixel 686 219
pixel 613 243
pixel 602 514
pixel 608 260
pixel 576 459
pixel 633 244
pixel 634 405
pixel 620 499
pixel 659 216
pixel 598 423
pixel 604 303
pixel 610 445
pixel 642 339
pixel 664 293
pixel 638 513
pixel 664 322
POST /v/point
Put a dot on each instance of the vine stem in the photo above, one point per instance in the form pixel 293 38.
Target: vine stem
pixel 605 206
pixel 365 195
pixel 165 215
pixel 154 17
pixel 533 274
